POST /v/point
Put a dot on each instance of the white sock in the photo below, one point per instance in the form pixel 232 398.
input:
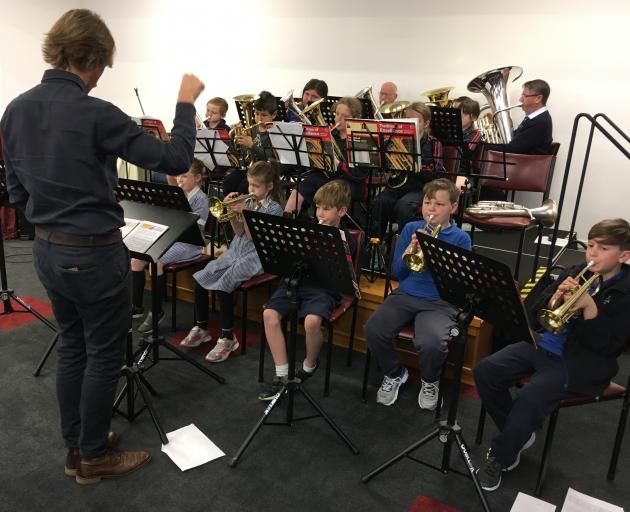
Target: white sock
pixel 282 370
pixel 307 369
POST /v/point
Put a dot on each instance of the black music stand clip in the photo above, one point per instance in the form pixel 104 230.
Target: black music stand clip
pixel 303 253
pixel 478 286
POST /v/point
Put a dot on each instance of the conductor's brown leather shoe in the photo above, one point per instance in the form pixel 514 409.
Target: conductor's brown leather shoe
pixel 111 465
pixel 73 458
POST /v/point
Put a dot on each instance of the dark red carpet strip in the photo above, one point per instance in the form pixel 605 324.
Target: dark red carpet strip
pixel 19 318
pixel 424 504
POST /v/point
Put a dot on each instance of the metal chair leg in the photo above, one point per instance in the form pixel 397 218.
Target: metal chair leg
pixel 551 428
pixel 618 438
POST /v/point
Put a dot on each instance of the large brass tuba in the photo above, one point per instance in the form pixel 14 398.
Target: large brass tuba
pixel 246 102
pixel 555 321
pixel 366 93
pixel 546 214
pixel 493 85
pixel 438 97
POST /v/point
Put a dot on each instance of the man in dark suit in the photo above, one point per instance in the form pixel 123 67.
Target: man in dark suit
pixel 534 135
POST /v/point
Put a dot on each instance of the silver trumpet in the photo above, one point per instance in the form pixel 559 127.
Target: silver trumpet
pixel 546 214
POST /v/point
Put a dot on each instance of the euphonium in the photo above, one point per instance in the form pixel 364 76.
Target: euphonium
pixel 493 85
pixel 246 102
pixel 217 207
pixel 555 321
pixel 395 109
pixel 415 260
pixel 545 214
pixel 438 97
pixel 366 93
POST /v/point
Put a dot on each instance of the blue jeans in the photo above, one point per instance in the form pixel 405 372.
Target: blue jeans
pixel 90 292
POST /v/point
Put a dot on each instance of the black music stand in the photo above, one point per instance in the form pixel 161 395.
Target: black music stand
pixel 7 295
pixel 303 253
pixel 166 205
pixel 291 148
pixel 378 146
pixel 478 286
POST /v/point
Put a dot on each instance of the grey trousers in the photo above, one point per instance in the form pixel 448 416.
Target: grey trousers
pixel 431 319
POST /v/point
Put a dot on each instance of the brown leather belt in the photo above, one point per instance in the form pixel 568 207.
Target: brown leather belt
pixel 79 241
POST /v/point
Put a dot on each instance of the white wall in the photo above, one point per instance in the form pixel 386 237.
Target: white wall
pixel 579 47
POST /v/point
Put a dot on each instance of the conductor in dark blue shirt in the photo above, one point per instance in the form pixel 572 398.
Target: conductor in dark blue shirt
pixel 60 150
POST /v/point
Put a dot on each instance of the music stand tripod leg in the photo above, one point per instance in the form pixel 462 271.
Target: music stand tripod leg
pixel 447 431
pixel 293 385
pixel 44 358
pixel 135 380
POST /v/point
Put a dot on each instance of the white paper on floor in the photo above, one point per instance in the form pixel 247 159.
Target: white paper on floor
pixel 578 502
pixel 188 447
pixel 527 503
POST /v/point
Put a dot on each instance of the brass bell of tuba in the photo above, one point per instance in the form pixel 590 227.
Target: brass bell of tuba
pixel 546 214
pixel 415 260
pixel 493 85
pixel 555 321
pixel 438 97
pixel 218 208
pixel 395 109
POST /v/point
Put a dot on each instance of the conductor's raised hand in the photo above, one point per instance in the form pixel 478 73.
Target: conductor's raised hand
pixel 190 89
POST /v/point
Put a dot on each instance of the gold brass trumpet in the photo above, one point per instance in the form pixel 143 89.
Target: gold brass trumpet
pixel 218 208
pixel 555 321
pixel 414 260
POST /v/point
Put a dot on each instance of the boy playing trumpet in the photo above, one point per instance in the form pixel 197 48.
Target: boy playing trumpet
pixel 581 359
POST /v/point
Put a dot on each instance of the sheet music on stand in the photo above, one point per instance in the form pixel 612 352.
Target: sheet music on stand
pixel 152 126
pixel 215 149
pixel 312 145
pixel 391 145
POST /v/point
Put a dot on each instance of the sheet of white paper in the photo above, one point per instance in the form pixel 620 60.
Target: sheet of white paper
pixel 129 225
pixel 144 235
pixel 282 140
pixel 560 242
pixel 578 502
pixel 188 447
pixel 527 503
pixel 210 140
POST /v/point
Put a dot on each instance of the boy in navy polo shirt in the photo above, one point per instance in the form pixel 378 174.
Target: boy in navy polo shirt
pixel 416 301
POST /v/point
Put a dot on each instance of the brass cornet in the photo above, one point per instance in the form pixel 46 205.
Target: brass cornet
pixel 415 260
pixel 555 321
pixel 218 208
